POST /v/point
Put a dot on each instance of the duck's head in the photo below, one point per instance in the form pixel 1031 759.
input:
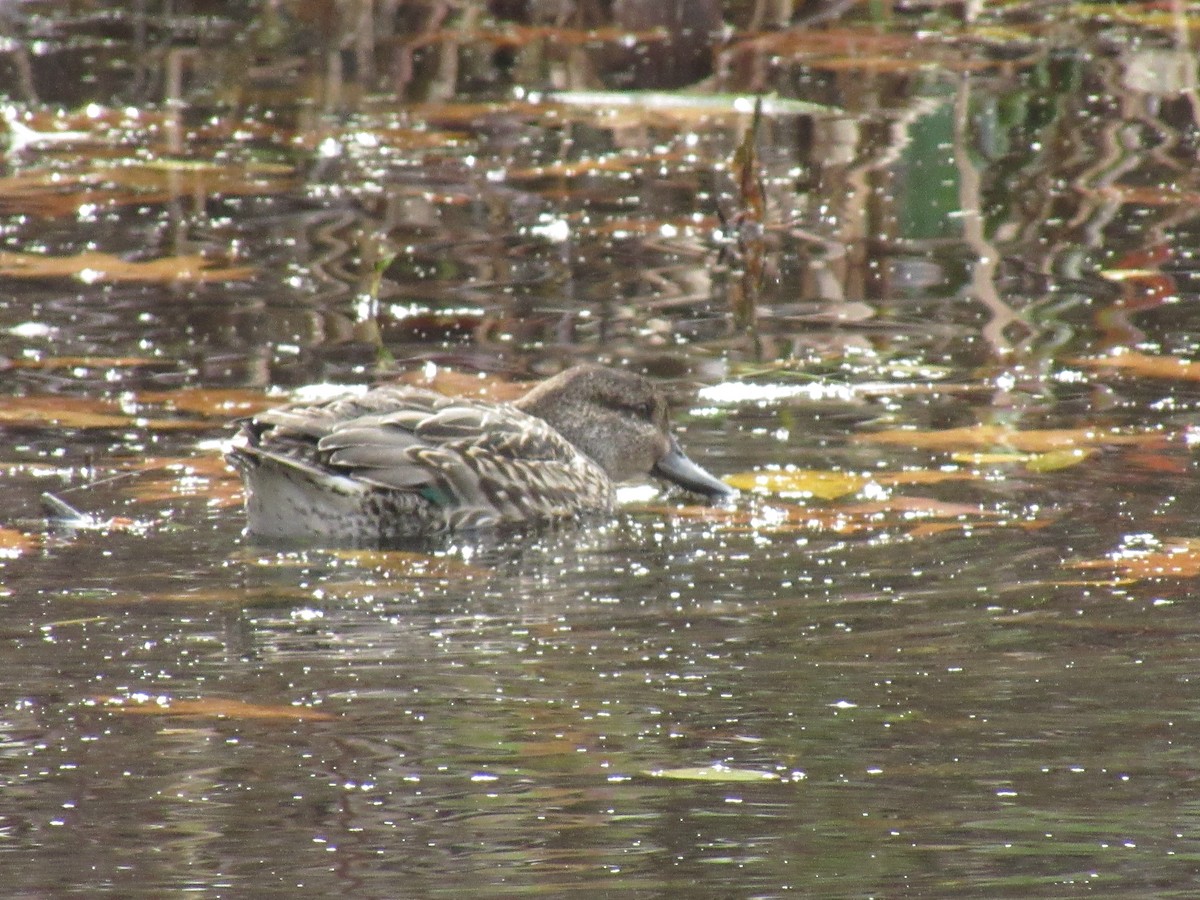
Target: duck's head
pixel 620 421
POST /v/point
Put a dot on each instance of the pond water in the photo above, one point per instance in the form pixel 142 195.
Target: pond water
pixel 939 327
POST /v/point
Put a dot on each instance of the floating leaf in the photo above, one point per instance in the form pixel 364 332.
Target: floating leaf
pixel 1178 558
pixel 919 507
pixel 1145 15
pixel 1146 365
pixel 830 485
pixel 799 482
pixel 215 483
pixel 213 707
pixel 1054 460
pixel 455 383
pixel 869 49
pixel 408 564
pixel 992 459
pixel 49 363
pixel 234 595
pixel 989 436
pixel 222 403
pixel 57 411
pixel 778 518
pixel 715 772
pixel 55 192
pixel 773 519
pixel 93 267
pixel 14 543
pixel 65 412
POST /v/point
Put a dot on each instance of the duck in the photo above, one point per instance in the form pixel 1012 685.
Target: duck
pixel 402 462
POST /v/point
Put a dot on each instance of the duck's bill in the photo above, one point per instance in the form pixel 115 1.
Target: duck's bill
pixel 677 468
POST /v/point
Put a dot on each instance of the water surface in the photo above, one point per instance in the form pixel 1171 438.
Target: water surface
pixel 943 646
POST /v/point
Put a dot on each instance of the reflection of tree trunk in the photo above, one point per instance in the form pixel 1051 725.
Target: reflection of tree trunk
pixel 987 256
pixel 683 57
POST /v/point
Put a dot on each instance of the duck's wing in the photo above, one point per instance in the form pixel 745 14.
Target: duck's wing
pixel 290 436
pixel 455 453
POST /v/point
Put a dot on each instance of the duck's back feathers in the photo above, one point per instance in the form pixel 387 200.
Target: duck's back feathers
pixel 414 462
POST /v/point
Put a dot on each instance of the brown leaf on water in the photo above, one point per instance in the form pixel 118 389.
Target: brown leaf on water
pixel 919 507
pixel 210 707
pixel 1150 461
pixel 234 595
pixel 1177 558
pixel 93 267
pixel 408 564
pixel 386 133
pixel 930 529
pixel 64 412
pixel 786 517
pixel 219 403
pixel 211 480
pixel 1145 365
pixel 517 36
pixel 455 383
pixel 872 50
pixel 590 165
pixel 987 437
pixel 14 543
pixel 922 476
pixel 55 193
pixel 1143 195
pixel 53 363
pixel 209 465
pixel 57 411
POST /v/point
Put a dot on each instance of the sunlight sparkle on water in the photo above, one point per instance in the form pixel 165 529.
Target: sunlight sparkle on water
pixel 742 392
pixel 32 330
pixel 552 228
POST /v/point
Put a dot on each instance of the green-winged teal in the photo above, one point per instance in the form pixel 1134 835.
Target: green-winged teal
pixel 402 461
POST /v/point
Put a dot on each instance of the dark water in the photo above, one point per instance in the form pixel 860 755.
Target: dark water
pixel 907 688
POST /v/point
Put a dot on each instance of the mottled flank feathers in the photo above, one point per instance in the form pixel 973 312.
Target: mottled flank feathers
pixel 402 461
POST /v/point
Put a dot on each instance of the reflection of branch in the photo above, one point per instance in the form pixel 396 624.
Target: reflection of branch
pixel 987 257
pixel 1184 45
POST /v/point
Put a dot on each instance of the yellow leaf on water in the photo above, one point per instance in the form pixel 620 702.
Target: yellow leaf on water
pixel 990 459
pixel 93 267
pixel 799 482
pixel 830 485
pixel 1059 459
pixel 213 707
